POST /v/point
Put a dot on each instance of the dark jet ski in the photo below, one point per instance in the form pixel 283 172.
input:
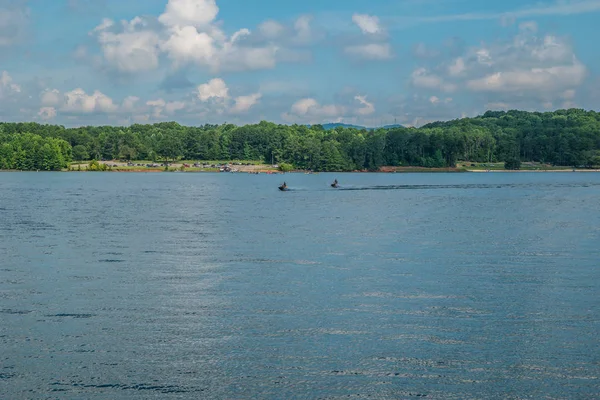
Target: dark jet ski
pixel 283 187
pixel 335 184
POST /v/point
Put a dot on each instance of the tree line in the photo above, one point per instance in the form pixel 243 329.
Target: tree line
pixel 564 137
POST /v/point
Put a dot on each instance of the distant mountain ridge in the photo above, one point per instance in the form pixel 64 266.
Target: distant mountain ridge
pixel 334 125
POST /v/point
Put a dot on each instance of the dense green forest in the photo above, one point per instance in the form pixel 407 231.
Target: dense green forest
pixel 563 137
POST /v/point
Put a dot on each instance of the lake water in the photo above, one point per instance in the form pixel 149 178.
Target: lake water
pixel 395 286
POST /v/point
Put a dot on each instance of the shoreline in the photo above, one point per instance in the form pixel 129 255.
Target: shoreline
pixel 273 172
pixel 266 169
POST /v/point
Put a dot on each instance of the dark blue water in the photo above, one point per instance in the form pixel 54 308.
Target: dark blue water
pixel 395 286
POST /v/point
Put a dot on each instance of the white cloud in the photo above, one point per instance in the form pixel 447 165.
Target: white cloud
pixel 214 89
pixel 539 79
pixel 215 95
pixel 244 103
pixel 304 33
pixel 187 45
pixel 133 50
pixel 196 13
pixel 367 24
pixel 173 106
pixel 310 111
pixel 301 107
pixel 7 85
pixel 129 103
pixel 238 58
pixel 421 78
pixel 557 8
pixel 372 51
pixel 187 33
pixel 271 29
pixel 47 113
pixel 436 100
pixel 50 98
pixel 528 71
pixel 551 49
pixel 79 102
pixel 374 46
pixel 105 24
pixel 160 105
pixel 457 67
pixel 483 57
pixel 367 109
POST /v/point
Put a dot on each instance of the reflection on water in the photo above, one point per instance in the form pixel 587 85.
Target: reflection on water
pixel 220 286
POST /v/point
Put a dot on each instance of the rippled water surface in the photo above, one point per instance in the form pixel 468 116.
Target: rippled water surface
pixel 169 286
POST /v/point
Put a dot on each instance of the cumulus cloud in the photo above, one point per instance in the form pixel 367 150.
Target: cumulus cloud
pixel 531 70
pixel 541 67
pixel 368 24
pixel 348 107
pixel 422 78
pixel 187 45
pixel 216 93
pixel 7 85
pixel 436 100
pixel 271 29
pixel 133 49
pixel 303 29
pixel 160 106
pixel 371 51
pixel 367 109
pixel 15 102
pixel 373 44
pixel 47 113
pixel 129 103
pixel 309 109
pixel 244 103
pixel 214 89
pixel 196 13
pixel 187 33
pixel 79 102
pixel 51 97
pixel 457 67
pixel 539 79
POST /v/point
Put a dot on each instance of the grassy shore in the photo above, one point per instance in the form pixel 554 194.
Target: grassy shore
pixel 525 167
pixel 245 166
pixel 179 166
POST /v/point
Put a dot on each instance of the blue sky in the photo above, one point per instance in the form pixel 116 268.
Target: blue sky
pixel 80 62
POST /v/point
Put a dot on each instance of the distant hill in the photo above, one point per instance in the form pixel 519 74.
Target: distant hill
pixel 392 126
pixel 334 125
